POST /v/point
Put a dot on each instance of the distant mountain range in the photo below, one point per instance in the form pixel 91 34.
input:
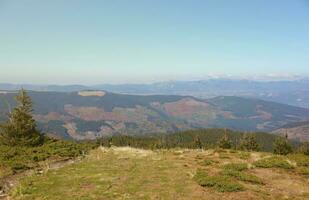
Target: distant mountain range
pixel 92 114
pixel 291 92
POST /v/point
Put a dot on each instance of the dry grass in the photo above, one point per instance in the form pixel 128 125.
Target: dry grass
pixel 128 173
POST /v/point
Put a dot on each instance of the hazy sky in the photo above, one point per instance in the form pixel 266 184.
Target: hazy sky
pixel 111 41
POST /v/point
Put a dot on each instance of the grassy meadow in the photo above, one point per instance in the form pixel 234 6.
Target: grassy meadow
pixel 129 173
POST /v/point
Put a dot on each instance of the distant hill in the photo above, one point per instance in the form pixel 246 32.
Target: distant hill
pixel 298 131
pixel 292 92
pixel 92 114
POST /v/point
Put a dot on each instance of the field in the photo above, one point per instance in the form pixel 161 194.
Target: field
pixel 129 173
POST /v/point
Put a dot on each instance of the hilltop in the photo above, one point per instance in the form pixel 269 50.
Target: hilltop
pixel 128 173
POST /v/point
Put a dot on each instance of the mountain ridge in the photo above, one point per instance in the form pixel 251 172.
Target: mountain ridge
pixel 93 114
pixel 292 92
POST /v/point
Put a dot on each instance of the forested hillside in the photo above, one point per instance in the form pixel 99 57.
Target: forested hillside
pixel 93 114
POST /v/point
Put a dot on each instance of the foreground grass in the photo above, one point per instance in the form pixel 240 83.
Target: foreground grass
pixel 127 173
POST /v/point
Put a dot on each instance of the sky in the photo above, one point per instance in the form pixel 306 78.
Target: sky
pixel 134 41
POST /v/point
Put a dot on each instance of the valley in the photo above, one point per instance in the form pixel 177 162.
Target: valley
pixel 94 114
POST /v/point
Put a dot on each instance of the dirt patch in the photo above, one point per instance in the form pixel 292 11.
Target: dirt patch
pixel 91 93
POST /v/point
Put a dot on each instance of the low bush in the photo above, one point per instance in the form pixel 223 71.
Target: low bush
pixel 274 162
pixel 242 176
pixel 22 158
pixel 220 183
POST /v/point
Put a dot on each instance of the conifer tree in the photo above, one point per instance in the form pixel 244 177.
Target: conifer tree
pixel 225 142
pixel 282 146
pixel 304 148
pixel 249 143
pixel 20 129
pixel 198 143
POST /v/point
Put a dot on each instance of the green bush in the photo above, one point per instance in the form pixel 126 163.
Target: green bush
pixel 304 148
pixel 244 155
pixel 22 158
pixel 220 183
pixel 225 142
pixel 282 146
pixel 249 143
pixel 274 162
pixel 242 176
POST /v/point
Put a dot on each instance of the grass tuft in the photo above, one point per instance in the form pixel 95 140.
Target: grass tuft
pixel 300 159
pixel 207 162
pixel 244 155
pixel 235 166
pixel 303 171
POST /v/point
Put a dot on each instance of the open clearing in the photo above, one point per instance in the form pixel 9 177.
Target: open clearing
pixel 128 173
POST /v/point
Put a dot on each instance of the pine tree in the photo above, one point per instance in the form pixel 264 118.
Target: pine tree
pixel 225 142
pixel 304 148
pixel 198 143
pixel 20 129
pixel 249 143
pixel 282 146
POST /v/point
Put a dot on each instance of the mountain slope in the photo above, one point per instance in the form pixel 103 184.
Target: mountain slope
pixel 92 114
pixel 298 131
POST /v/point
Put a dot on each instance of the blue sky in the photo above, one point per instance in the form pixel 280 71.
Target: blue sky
pixel 118 41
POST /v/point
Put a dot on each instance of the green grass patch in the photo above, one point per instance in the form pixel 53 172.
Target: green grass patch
pixel 244 155
pixel 303 171
pixel 300 159
pixel 207 162
pixel 219 183
pixel 274 162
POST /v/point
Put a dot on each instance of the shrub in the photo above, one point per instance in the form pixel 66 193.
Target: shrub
pixel 304 148
pixel 249 143
pixel 23 158
pixel 242 176
pixel 274 162
pixel 220 183
pixel 282 147
pixel 225 142
pixel 244 155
